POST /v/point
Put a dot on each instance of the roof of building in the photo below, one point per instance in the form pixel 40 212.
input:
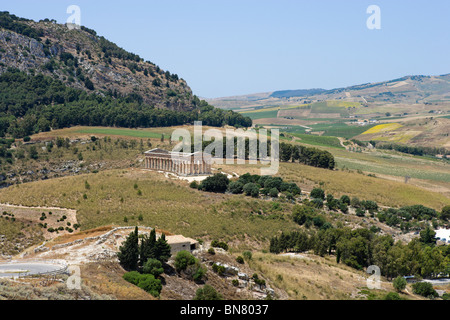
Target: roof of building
pixel 179 239
pixel 174 154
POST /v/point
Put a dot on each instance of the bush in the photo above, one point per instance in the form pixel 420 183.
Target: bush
pixel 240 260
pixel 392 296
pixel 211 251
pixel 247 255
pixel 194 185
pixel 132 277
pixel 219 269
pixel 360 212
pixel 151 285
pixel 317 193
pixel 399 284
pixel 273 193
pixel 207 293
pixel 217 183
pixel 345 199
pixel 183 260
pixel 153 267
pixel 218 244
pixel 424 289
pixel 235 282
pixel 251 189
pixel 236 187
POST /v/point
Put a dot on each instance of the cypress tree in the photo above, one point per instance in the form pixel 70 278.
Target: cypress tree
pixel 129 252
pixel 162 249
pixel 147 248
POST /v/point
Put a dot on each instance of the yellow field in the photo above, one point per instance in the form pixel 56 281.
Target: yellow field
pixel 383 128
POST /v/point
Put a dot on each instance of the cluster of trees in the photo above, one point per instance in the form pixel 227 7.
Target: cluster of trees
pixel 250 185
pixel 144 261
pixel 11 22
pixel 414 150
pixel 306 155
pixel 362 247
pixel 31 104
pixel 133 255
pixel 287 152
pixel 406 218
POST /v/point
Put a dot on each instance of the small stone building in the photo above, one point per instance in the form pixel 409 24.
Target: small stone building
pixel 183 164
pixel 179 243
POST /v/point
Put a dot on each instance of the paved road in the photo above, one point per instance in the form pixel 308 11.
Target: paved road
pixel 438 281
pixel 27 268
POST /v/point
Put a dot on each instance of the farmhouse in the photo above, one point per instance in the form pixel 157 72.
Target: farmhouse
pixel 179 243
pixel 184 164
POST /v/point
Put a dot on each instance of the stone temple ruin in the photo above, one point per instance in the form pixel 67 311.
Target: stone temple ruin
pixel 182 164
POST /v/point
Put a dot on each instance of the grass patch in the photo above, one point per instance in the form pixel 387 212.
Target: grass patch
pixel 318 140
pixel 169 205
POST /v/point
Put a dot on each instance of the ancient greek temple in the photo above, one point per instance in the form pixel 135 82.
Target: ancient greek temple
pixel 183 164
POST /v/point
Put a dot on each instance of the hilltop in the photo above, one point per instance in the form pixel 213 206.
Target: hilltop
pixel 84 60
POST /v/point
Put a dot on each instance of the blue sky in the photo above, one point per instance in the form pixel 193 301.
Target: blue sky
pixel 223 48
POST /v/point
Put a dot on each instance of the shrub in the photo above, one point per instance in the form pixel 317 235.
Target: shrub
pixel 219 269
pixel 317 193
pixel 399 284
pixel 236 187
pixel 183 259
pixel 345 199
pixel 211 251
pixel 151 285
pixel 247 255
pixel 218 244
pixel 360 212
pixel 153 267
pixel 193 185
pixel 132 277
pixel 424 289
pixel 251 189
pixel 392 296
pixel 273 193
pixel 240 260
pixel 235 282
pixel 217 183
pixel 207 293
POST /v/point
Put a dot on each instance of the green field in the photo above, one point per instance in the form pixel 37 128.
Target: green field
pixel 135 133
pixel 318 140
pixel 262 114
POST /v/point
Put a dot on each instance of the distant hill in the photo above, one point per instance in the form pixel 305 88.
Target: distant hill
pixel 296 93
pixel 52 77
pixel 417 89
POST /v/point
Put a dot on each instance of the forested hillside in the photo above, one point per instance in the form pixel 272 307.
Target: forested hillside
pixel 52 77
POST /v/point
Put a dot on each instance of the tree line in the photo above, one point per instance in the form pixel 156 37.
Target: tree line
pixel 360 248
pixel 34 103
pixel 414 150
pixel 287 153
